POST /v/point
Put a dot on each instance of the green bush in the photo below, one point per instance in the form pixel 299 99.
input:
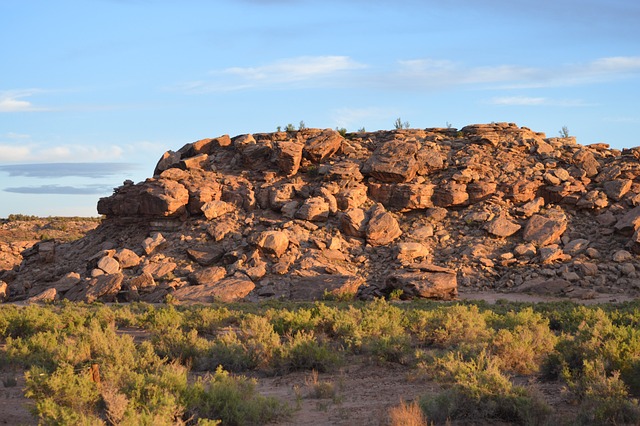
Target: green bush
pixel 232 400
pixel 457 327
pixel 478 390
pixel 303 351
pixel 525 343
pixel 604 397
pixel 287 321
pixel 186 348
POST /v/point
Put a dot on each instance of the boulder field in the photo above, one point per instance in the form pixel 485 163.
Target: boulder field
pixel 310 214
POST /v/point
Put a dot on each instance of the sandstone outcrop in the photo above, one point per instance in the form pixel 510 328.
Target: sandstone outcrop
pixel 312 213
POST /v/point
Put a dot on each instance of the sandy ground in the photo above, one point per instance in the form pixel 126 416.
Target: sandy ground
pixel 13 404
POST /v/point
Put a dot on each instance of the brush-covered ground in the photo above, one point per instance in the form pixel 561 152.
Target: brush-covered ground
pixel 329 362
pixel 19 227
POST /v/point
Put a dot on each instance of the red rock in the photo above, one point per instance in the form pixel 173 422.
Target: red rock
pixel 315 209
pixel 353 222
pixel 273 243
pixel 394 161
pixel 382 227
pixel 104 288
pixel 450 194
pixel 319 148
pixel 207 276
pixel 616 189
pixel 127 258
pixel 629 223
pixel 215 209
pixel 228 290
pixel 318 286
pixel 426 281
pixel 289 155
pixel 109 265
pixel 542 231
pixel 502 227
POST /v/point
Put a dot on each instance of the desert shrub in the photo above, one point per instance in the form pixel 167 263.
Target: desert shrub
pixel 320 389
pixel 233 400
pixel 162 318
pixel 458 327
pixel 63 396
pixel 351 327
pixel 525 342
pixel 259 338
pixel 186 348
pixel 29 320
pixel 229 352
pixel 604 398
pixel 207 320
pixel 479 390
pixel 302 351
pixel 389 348
pixel 252 346
pixel 596 337
pixel 291 321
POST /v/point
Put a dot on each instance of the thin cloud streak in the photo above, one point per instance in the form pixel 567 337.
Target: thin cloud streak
pixel 61 190
pixel 313 70
pixel 30 152
pixel 537 101
pixel 432 74
pixel 412 74
pixel 59 170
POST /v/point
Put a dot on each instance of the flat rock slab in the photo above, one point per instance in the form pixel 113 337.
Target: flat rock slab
pixel 436 284
pixel 316 287
pixel 231 289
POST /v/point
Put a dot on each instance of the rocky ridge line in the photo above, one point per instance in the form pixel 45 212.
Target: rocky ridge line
pixel 309 214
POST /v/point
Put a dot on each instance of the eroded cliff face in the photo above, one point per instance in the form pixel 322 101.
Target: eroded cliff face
pixel 307 214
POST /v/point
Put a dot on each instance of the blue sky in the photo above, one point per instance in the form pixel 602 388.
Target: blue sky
pixel 92 92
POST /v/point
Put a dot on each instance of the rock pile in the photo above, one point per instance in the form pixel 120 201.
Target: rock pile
pixel 311 213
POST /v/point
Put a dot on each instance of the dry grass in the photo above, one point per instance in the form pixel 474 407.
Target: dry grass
pixel 407 414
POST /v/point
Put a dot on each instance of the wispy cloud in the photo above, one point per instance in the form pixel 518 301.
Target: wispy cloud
pixel 31 152
pixel 60 170
pixel 434 73
pixel 13 101
pixel 302 70
pixel 536 101
pixel 61 189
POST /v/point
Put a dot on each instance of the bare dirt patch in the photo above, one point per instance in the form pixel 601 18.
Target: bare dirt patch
pixel 13 403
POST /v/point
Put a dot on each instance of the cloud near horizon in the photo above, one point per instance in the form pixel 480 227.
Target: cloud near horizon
pixel 61 190
pixel 30 151
pixel 60 170
pixel 12 101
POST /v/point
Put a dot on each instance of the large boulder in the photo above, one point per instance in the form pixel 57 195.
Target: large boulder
pixel 542 231
pixel 230 289
pixel 273 243
pixel 394 161
pixel 153 198
pixel 323 146
pixel 424 281
pixel 382 227
pixel 289 155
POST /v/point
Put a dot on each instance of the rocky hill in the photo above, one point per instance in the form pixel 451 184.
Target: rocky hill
pixel 310 214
